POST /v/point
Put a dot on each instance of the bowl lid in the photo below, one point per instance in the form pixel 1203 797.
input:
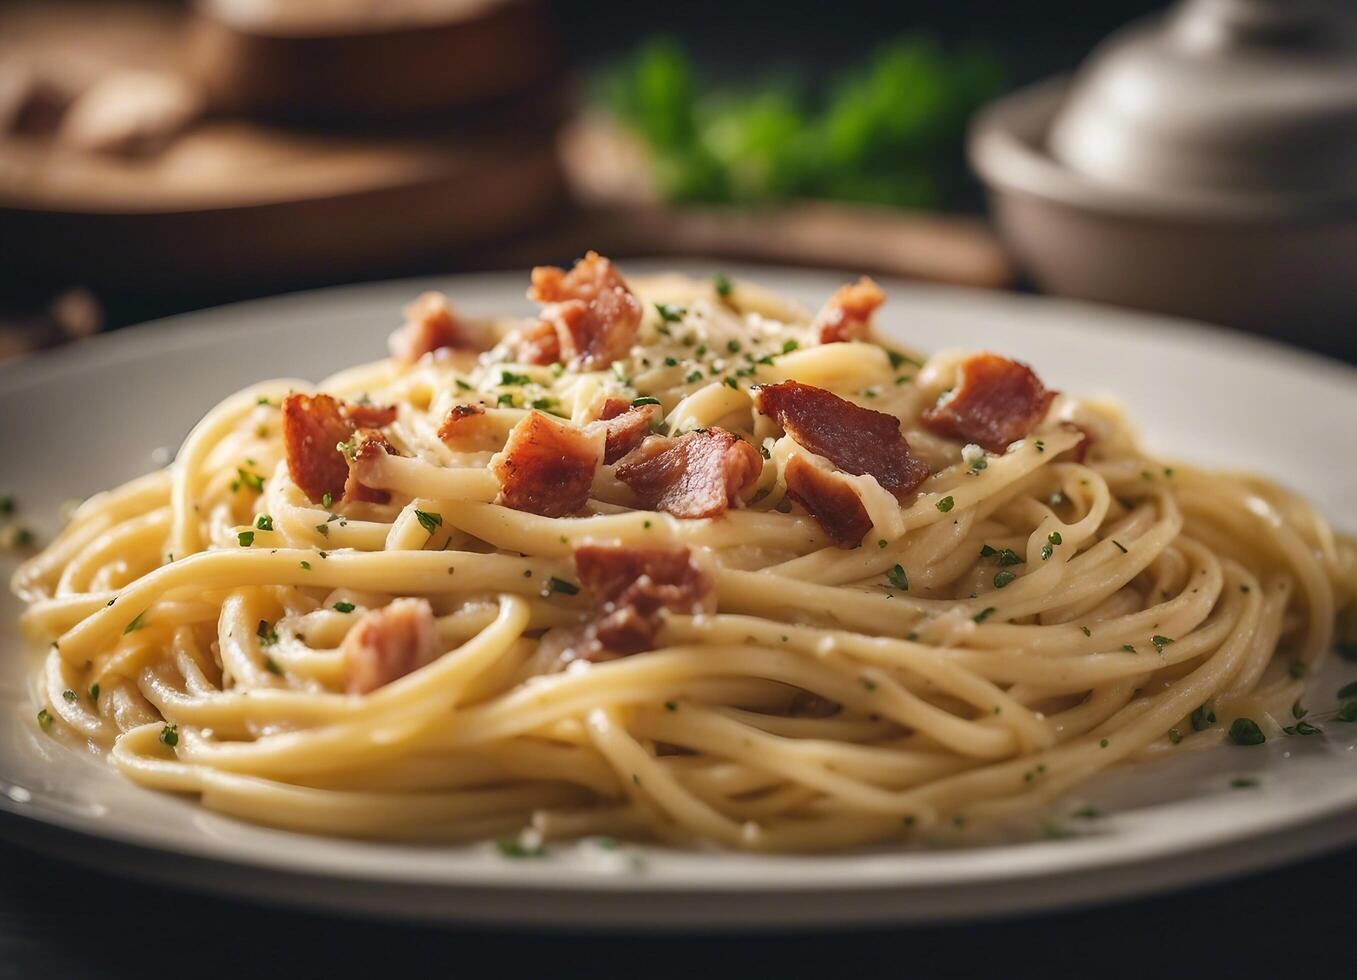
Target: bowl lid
pixel 1220 101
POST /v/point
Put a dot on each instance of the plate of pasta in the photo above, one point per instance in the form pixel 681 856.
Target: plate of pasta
pixel 678 597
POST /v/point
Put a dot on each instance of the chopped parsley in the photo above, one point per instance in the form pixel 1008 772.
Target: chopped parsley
pixel 671 362
pixel 1160 642
pixel 1245 731
pixel 555 584
pixel 94 692
pixel 984 614
pixel 510 378
pixel 1129 648
pixel 897 359
pixel 169 735
pixel 268 636
pixel 327 499
pixel 246 538
pixel 1046 551
pixel 731 383
pixel 323 530
pixel 1055 538
pixel 670 312
pixel 1003 578
pixel 136 623
pixel 644 400
pixel 513 848
pixel 898 578
pixel 345 607
pixel 429 520
pixel 789 345
pixel 272 667
pixel 1243 782
pixel 722 285
pixel 463 385
pixel 1203 718
pixel 305 565
pixel 264 522
pixel 1175 736
pixel 946 504
pixel 253 481
pixel 693 376
pixel 505 400
pixel 45 719
pixel 68 694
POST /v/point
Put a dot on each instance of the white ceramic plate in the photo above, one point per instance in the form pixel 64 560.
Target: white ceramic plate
pixel 86 418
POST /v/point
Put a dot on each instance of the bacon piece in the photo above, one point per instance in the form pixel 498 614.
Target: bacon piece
pixel 594 313
pixel 624 426
pixel 430 325
pixel 546 467
pixel 848 314
pixel 995 402
pixel 698 474
pixel 368 416
pixel 538 344
pixel 830 499
pixel 466 429
pixel 368 444
pixel 630 587
pixel 388 643
pixel 313 428
pixel 855 439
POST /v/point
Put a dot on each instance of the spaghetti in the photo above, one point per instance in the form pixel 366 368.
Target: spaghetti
pixel 792 626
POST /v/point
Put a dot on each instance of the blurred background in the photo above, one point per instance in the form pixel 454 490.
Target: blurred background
pixel 158 157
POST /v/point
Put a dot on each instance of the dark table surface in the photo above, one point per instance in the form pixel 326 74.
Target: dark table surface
pixel 59 920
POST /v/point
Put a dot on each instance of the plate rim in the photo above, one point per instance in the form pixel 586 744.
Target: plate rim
pixel 1257 843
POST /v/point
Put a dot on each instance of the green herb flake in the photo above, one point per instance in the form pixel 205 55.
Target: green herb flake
pixel 1245 731
pixel 671 706
pixel 1243 782
pixel 305 565
pixel 45 720
pixel 1003 578
pixel 984 614
pixel 1129 648
pixel 169 735
pixel 1160 642
pixel 1055 538
pixel 268 636
pixel 555 584
pixel 68 694
pixel 1175 736
pixel 1086 631
pixel 644 400
pixel 722 285
pixel 1203 718
pixel 429 520
pixel 246 538
pixel 1347 691
pixel 323 530
pixel 1046 551
pixel 94 692
pixel 326 500
pixel 946 504
pixel 264 522
pixel 898 578
pixel 136 623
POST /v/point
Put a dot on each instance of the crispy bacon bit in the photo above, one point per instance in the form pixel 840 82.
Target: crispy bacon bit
pixel 467 430
pixel 698 474
pixel 630 587
pixel 625 427
pixel 848 314
pixel 857 440
pixel 367 444
pixel 368 416
pixel 593 312
pixel 538 344
pixel 830 499
pixel 429 325
pixel 546 467
pixel 313 428
pixel 996 402
pixel 388 643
